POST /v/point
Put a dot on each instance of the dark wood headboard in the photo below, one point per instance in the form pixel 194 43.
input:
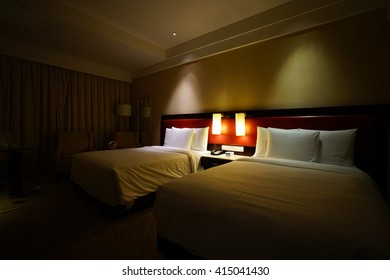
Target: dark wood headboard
pixel 372 122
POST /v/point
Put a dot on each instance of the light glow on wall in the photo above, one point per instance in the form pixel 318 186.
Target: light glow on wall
pixel 185 95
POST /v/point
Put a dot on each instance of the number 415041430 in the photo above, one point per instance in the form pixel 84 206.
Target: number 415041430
pixel 231 270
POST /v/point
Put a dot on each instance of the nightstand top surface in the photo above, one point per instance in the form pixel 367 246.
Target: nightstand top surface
pixel 224 157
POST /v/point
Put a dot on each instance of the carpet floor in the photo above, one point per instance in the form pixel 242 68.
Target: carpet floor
pixel 64 224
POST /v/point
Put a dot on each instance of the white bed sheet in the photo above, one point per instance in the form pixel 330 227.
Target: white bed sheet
pixel 118 177
pixel 249 209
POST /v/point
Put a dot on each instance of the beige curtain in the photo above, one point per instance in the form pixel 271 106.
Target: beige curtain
pixel 37 101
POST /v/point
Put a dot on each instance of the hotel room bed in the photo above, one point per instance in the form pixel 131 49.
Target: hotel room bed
pixel 120 177
pixel 293 199
pixel 275 209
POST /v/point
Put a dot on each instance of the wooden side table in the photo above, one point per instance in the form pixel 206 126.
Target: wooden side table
pixel 209 161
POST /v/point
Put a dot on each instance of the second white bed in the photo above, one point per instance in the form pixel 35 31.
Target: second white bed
pixel 119 177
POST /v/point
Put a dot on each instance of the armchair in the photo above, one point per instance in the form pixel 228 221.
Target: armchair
pixel 69 144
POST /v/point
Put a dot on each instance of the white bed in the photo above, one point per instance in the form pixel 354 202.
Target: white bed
pixel 275 209
pixel 300 196
pixel 119 177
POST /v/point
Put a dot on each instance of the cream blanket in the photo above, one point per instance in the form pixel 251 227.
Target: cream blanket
pixel 275 210
pixel 118 177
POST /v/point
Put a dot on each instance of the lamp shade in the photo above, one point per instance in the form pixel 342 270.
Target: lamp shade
pixel 240 124
pixel 216 129
pixel 124 110
pixel 145 112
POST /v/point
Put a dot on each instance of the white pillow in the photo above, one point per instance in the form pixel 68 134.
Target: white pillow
pixel 337 146
pixel 181 138
pixel 201 137
pixel 261 141
pixel 168 136
pixel 292 144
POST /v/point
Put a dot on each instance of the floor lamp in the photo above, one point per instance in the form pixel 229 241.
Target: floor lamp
pixel 123 110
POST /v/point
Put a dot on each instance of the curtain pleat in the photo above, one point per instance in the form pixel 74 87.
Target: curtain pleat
pixel 38 101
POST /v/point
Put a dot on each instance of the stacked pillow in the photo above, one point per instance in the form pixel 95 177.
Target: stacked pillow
pixel 187 138
pixel 332 147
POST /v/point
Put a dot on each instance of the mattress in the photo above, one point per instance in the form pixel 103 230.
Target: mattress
pixel 119 177
pixel 275 209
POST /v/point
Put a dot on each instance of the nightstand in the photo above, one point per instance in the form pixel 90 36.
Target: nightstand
pixel 209 161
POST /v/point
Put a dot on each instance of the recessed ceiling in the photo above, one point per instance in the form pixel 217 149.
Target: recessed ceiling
pixel 124 34
pixel 155 20
pixel 130 35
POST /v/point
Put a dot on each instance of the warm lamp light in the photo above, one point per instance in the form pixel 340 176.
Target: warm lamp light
pixel 124 110
pixel 216 129
pixel 240 124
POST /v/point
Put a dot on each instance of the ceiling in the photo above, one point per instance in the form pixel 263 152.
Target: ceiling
pixel 126 34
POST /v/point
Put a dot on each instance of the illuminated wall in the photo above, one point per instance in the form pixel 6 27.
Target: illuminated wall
pixel 341 63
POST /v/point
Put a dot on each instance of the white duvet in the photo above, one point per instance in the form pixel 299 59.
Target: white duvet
pixel 275 209
pixel 118 177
